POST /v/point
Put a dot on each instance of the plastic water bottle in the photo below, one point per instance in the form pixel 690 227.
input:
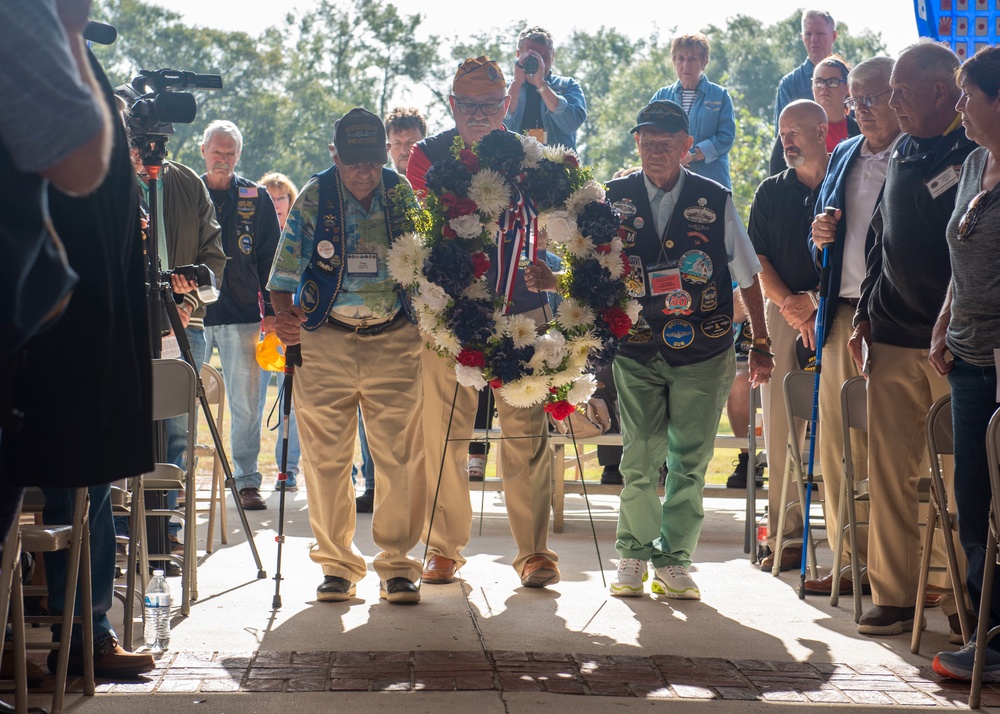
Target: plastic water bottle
pixel 157 611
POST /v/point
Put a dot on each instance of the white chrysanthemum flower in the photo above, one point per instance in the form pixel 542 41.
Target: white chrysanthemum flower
pixel 590 192
pixel 554 153
pixel 406 259
pixel 521 329
pixel 612 262
pixel 446 340
pixel 532 151
pixel 526 392
pixel 559 226
pixel 427 319
pixel 585 344
pixel 633 307
pixel 466 226
pixel 572 314
pixel 432 295
pixel 469 376
pixel 550 348
pixel 490 192
pixel 477 291
pixel 568 375
pixel 580 246
pixel 582 390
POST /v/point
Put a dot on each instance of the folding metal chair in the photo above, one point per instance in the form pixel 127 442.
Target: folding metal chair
pixel 985 633
pixel 215 393
pixel 940 442
pixel 798 392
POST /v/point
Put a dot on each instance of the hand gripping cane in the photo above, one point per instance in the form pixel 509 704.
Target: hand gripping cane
pixel 293 359
pixel 824 284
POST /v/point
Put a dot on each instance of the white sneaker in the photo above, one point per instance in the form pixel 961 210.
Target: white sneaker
pixel 477 468
pixel 629 578
pixel 674 581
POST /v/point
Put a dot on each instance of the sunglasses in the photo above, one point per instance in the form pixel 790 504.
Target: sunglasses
pixel 977 207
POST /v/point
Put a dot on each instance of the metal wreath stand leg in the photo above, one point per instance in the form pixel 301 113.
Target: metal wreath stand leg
pixel 293 359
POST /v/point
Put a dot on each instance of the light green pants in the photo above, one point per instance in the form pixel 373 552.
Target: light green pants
pixel 667 413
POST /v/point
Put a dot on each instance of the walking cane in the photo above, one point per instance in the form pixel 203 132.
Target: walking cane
pixel 824 284
pixel 293 359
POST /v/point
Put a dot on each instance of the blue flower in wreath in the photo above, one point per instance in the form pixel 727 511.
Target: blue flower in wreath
pixel 548 184
pixel 501 151
pixel 594 285
pixel 508 362
pixel 599 359
pixel 449 174
pixel 471 321
pixel 599 222
pixel 450 266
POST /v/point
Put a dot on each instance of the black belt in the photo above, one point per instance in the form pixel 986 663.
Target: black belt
pixel 853 302
pixel 364 328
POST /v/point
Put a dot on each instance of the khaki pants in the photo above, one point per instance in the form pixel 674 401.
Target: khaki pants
pixel 838 367
pixel 525 466
pixel 339 371
pixel 901 388
pixel 776 422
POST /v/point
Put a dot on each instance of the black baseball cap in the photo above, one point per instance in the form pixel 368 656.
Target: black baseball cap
pixel 359 137
pixel 663 114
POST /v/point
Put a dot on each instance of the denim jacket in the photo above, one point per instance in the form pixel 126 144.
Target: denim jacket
pixel 561 125
pixel 712 126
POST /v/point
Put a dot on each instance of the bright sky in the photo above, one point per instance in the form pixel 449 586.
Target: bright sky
pixel 447 18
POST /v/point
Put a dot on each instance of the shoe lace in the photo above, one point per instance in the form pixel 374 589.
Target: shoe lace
pixel 630 566
pixel 677 571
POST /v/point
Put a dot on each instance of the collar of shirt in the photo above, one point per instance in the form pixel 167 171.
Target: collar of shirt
pixel 662 202
pixel 884 154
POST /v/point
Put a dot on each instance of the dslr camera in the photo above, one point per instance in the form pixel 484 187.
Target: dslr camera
pixel 207 291
pixel 529 64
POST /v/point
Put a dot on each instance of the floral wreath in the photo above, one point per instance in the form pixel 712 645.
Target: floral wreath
pixel 507 182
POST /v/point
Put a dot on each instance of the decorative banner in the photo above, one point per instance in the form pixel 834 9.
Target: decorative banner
pixel 966 25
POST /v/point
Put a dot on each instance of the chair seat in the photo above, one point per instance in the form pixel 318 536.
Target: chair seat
pixel 45 539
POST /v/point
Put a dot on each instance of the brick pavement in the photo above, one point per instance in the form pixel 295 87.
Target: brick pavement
pixel 656 677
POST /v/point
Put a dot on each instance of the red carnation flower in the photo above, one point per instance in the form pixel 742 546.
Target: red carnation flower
pixel 559 410
pixel 461 207
pixel 572 161
pixel 448 232
pixel 469 357
pixel 618 321
pixel 480 264
pixel 603 248
pixel 496 383
pixel 469 160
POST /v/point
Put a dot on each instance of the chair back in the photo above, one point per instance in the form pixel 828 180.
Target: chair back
pixel 854 404
pixel 215 391
pixel 940 439
pixel 993 456
pixel 174 386
pixel 799 387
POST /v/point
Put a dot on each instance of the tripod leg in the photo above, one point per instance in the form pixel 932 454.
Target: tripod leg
pixel 286 401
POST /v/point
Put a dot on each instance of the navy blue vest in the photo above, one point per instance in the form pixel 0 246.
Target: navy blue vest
pixel 693 322
pixel 322 278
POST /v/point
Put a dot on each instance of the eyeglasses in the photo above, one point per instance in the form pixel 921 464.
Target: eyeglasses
pixel 868 101
pixel 832 83
pixel 977 207
pixel 488 109
pixel 369 166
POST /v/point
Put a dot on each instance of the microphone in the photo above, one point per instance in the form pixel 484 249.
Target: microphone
pixel 100 33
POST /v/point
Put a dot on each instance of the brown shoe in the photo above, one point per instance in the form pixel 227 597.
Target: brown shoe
pixel 790 560
pixel 539 571
pixel 251 501
pixel 111 661
pixel 35 673
pixel 932 600
pixel 176 547
pixel 439 570
pixel 824 586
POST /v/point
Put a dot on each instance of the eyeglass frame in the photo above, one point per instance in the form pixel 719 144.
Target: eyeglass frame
pixel 369 166
pixel 977 207
pixel 478 108
pixel 820 82
pixel 868 101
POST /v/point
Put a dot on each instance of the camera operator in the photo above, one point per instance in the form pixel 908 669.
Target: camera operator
pixel 53 127
pixel 543 105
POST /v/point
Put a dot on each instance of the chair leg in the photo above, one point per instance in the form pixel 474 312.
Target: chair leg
pixel 975 692
pixel 18 650
pixel 780 532
pixel 924 573
pixel 856 570
pixel 838 543
pixel 86 613
pixel 220 477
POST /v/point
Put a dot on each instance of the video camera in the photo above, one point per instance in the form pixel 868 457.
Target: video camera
pixel 155 102
pixel 208 291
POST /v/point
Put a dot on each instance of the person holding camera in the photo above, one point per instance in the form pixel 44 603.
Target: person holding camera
pixel 543 105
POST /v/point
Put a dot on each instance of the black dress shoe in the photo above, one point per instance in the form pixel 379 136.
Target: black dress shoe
pixel 399 590
pixel 334 589
pixel 365 503
pixel 611 476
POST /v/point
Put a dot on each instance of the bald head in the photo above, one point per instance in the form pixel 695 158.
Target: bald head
pixel 802 128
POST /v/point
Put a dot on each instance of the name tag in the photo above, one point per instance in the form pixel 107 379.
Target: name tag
pixel 942 182
pixel 663 280
pixel 538 134
pixel 362 265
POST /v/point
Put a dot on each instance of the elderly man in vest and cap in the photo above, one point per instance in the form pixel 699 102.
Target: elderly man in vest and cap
pixel 685 245
pixel 479 102
pixel 359 347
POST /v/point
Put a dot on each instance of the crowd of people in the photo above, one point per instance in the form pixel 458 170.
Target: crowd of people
pixel 890 165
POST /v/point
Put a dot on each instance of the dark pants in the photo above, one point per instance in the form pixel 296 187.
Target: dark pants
pixel 973 402
pixel 484 420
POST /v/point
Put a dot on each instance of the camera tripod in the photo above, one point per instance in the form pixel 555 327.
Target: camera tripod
pixel 161 294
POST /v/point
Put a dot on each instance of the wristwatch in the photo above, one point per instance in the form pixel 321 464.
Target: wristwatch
pixel 761 341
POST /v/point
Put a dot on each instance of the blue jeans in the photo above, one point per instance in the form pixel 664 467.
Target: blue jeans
pixel 59 511
pixel 973 401
pixel 367 467
pixel 294 452
pixel 237 349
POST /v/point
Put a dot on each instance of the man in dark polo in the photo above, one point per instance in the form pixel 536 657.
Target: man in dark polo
pixel 685 245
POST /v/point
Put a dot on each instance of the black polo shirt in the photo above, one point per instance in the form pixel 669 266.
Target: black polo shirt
pixel 780 217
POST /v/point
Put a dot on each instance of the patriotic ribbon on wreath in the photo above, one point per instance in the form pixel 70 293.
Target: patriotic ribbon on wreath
pixel 518 230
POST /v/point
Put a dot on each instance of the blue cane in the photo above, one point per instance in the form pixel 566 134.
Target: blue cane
pixel 824 283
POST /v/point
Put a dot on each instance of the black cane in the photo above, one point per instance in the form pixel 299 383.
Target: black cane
pixel 293 359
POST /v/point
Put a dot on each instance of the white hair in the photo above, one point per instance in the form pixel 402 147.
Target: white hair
pixel 872 68
pixel 222 126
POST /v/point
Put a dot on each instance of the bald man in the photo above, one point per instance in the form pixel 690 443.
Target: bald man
pixel 780 216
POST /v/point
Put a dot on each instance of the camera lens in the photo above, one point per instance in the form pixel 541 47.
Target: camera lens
pixel 529 64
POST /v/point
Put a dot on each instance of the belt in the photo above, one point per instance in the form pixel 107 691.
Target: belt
pixel 853 302
pixel 363 328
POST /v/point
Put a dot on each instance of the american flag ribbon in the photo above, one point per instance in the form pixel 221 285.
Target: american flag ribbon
pixel 518 230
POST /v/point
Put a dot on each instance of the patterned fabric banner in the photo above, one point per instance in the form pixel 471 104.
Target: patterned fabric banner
pixel 966 25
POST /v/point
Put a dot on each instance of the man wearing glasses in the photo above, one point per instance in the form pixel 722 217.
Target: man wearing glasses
pixel 853 186
pixel 907 276
pixel 479 102
pixel 359 348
